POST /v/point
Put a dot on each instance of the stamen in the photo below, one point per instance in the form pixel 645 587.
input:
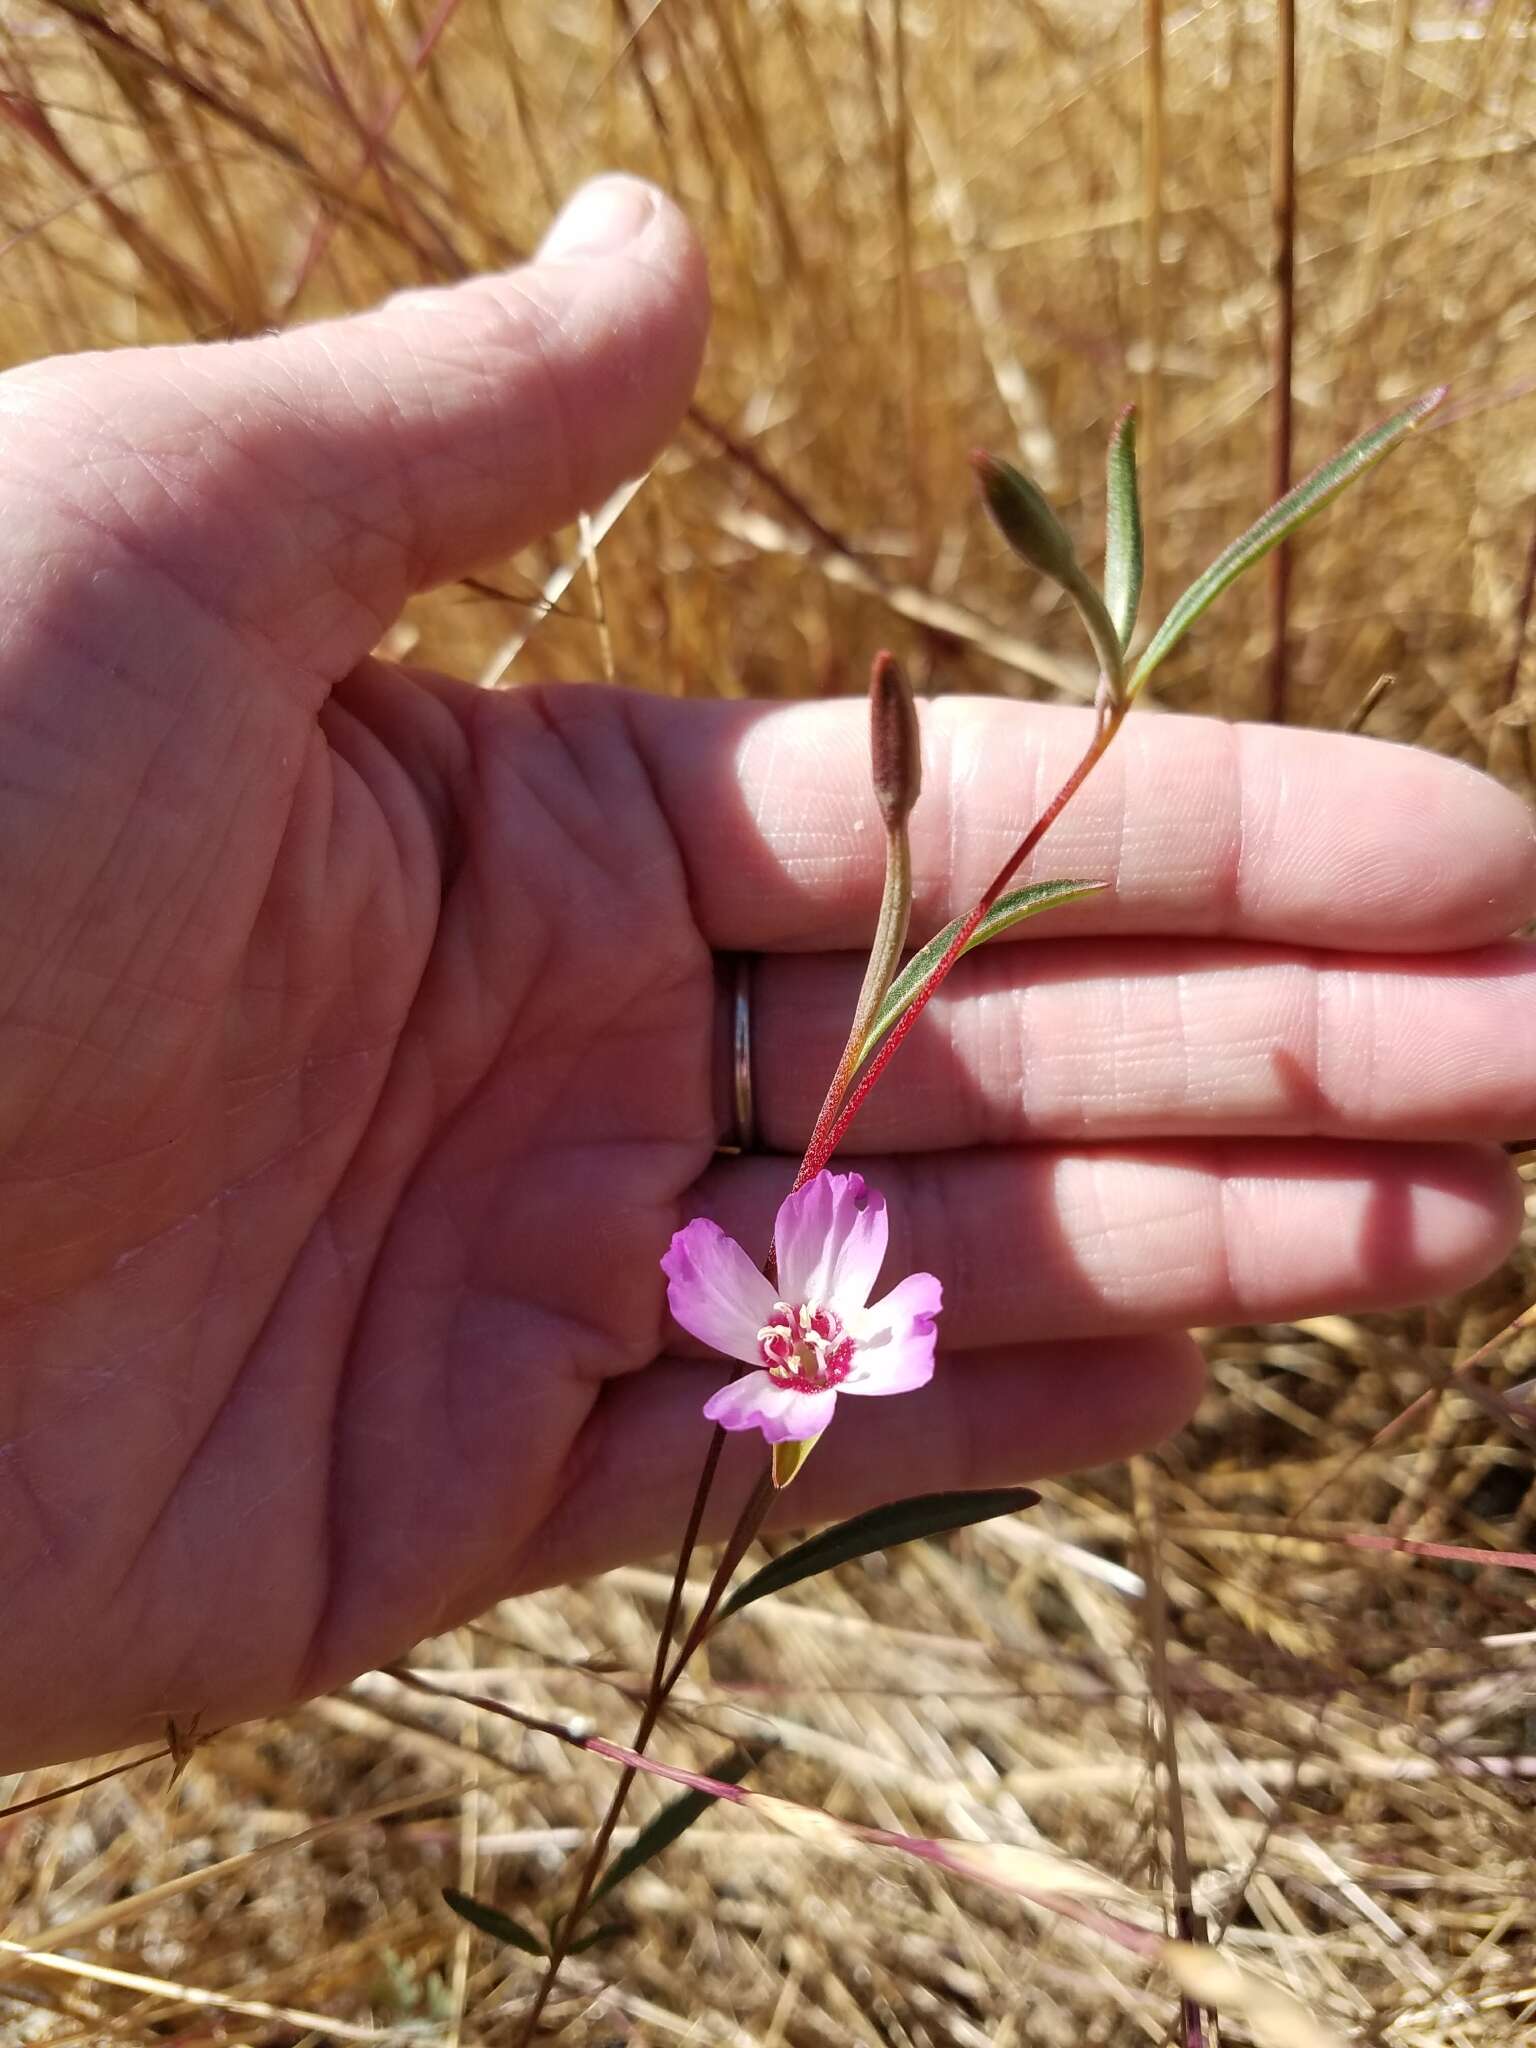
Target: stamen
pixel 808 1350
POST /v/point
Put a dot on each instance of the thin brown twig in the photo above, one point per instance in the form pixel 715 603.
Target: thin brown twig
pixel 1282 177
pixel 1148 409
pixel 80 1784
pixel 915 377
pixel 160 265
pixel 231 111
pixel 632 51
pixel 747 458
pixel 1163 1717
pixel 1520 625
pixel 1360 716
pixel 374 138
pixel 370 139
pixel 1459 1380
pixel 747 1526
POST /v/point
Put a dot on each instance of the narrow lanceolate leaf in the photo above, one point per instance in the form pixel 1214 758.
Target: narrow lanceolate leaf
pixel 677 1816
pixel 1006 912
pixel 1277 524
pixel 1123 558
pixel 492 1922
pixel 903 1521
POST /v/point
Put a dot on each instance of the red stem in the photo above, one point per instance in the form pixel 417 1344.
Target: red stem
pixel 833 1122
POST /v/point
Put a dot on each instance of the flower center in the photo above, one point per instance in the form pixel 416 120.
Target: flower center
pixel 805 1347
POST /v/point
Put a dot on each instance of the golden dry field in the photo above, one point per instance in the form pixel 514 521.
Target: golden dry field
pixel 930 227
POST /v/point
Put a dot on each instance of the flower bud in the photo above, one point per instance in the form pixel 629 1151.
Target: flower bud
pixel 1024 518
pixel 896 756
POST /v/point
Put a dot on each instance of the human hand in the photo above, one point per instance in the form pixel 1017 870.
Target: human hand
pixel 360 1037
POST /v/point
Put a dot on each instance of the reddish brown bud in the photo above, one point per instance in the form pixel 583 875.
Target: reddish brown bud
pixel 896 754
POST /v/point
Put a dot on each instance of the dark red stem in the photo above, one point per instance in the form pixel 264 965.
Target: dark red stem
pixel 834 1120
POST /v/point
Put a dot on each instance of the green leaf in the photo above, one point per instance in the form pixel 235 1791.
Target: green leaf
pixel 492 1922
pixel 903 1521
pixel 677 1816
pixel 1123 560
pixel 1277 524
pixel 1008 910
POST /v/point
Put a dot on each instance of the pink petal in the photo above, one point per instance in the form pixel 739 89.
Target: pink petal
pixel 831 1240
pixel 782 1414
pixel 895 1348
pixel 715 1292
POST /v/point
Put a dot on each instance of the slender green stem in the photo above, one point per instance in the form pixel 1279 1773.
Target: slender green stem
pixel 1100 628
pixel 884 959
pixel 890 937
pixel 830 1132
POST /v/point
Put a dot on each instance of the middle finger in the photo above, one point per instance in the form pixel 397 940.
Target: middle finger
pixel 1111 1039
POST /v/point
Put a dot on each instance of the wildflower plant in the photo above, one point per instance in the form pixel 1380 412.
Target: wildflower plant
pixel 813 1336
pixel 801 1323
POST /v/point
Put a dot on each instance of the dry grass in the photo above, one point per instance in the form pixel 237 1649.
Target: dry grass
pixel 929 228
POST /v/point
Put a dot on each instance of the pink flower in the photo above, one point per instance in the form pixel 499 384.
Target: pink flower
pixel 813 1337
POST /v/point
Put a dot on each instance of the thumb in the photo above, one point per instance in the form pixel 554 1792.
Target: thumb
pixel 494 411
pixel 320 477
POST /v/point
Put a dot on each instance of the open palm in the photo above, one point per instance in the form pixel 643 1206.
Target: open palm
pixel 359 1031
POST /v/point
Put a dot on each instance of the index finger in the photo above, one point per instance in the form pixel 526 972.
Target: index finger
pixel 1197 827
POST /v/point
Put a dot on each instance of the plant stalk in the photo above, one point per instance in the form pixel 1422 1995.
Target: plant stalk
pixel 1282 179
pixel 884 959
pixel 831 1130
pixel 663 1680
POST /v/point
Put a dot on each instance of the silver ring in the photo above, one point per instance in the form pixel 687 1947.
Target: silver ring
pixel 743 1099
